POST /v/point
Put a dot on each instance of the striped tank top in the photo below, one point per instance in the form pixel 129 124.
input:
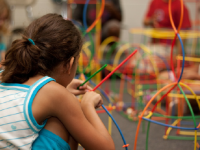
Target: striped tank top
pixel 18 127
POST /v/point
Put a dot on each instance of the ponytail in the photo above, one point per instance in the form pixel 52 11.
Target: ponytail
pixel 22 59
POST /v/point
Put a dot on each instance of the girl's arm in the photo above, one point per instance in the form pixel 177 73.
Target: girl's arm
pixel 73 143
pixel 81 121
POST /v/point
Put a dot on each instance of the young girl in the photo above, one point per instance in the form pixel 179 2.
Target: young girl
pixel 4 20
pixel 33 97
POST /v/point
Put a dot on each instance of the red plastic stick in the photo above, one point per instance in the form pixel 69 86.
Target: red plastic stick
pixel 114 70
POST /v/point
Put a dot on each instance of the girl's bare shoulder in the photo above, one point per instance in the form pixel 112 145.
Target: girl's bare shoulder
pixel 55 91
pixel 49 99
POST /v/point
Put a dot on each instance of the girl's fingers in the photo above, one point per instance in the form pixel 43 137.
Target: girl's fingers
pixel 88 87
pixel 81 87
pixel 80 92
pixel 85 87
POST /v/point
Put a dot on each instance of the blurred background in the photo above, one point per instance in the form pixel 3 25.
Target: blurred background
pixel 24 11
pixel 139 89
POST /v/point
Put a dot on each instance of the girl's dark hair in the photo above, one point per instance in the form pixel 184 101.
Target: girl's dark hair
pixel 56 40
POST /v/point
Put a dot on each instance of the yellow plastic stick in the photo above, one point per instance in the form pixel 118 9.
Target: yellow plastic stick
pixel 98 40
pixel 149 115
pixel 195 139
pixel 192 81
pixel 110 122
pixel 188 133
pixel 85 45
pixel 119 53
pixel 170 128
pixel 181 96
pixel 106 42
pixel 165 34
pixel 194 59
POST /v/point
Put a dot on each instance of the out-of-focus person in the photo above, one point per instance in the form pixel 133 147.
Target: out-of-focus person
pixel 111 18
pixel 4 24
pixel 157 16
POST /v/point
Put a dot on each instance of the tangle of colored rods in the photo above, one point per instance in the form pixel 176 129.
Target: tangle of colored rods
pixel 172 67
pixel 115 69
pixel 125 145
pixel 105 95
pixel 92 75
pixel 104 81
pixel 173 43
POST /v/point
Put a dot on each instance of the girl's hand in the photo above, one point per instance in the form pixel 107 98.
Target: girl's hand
pixel 92 98
pixel 72 87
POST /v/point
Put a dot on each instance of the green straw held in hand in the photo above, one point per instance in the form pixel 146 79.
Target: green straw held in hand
pixel 92 75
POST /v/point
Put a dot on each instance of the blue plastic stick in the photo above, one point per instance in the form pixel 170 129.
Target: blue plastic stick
pixel 183 51
pixel 166 125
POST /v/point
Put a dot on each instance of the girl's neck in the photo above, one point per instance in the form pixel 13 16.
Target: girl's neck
pixel 32 80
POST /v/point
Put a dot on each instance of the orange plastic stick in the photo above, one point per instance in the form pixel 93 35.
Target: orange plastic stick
pixel 98 18
pixel 138 127
pixel 171 19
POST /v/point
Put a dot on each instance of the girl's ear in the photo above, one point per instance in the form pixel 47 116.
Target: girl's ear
pixel 69 65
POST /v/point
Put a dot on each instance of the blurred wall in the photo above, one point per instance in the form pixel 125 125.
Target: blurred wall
pixel 39 8
pixel 133 13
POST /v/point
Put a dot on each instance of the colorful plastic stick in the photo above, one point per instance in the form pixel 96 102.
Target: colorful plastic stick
pixel 104 106
pixel 125 145
pixel 140 119
pixel 171 19
pixel 97 19
pixel 110 121
pixel 194 59
pixel 106 42
pixel 176 33
pixel 102 92
pixel 181 138
pixel 98 41
pixel 188 133
pixel 165 34
pixel 176 127
pixel 176 117
pixel 114 70
pixel 92 75
pixel 167 86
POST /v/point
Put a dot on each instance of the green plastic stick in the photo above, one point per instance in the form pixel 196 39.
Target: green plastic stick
pixel 181 138
pixel 92 75
pixel 190 107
